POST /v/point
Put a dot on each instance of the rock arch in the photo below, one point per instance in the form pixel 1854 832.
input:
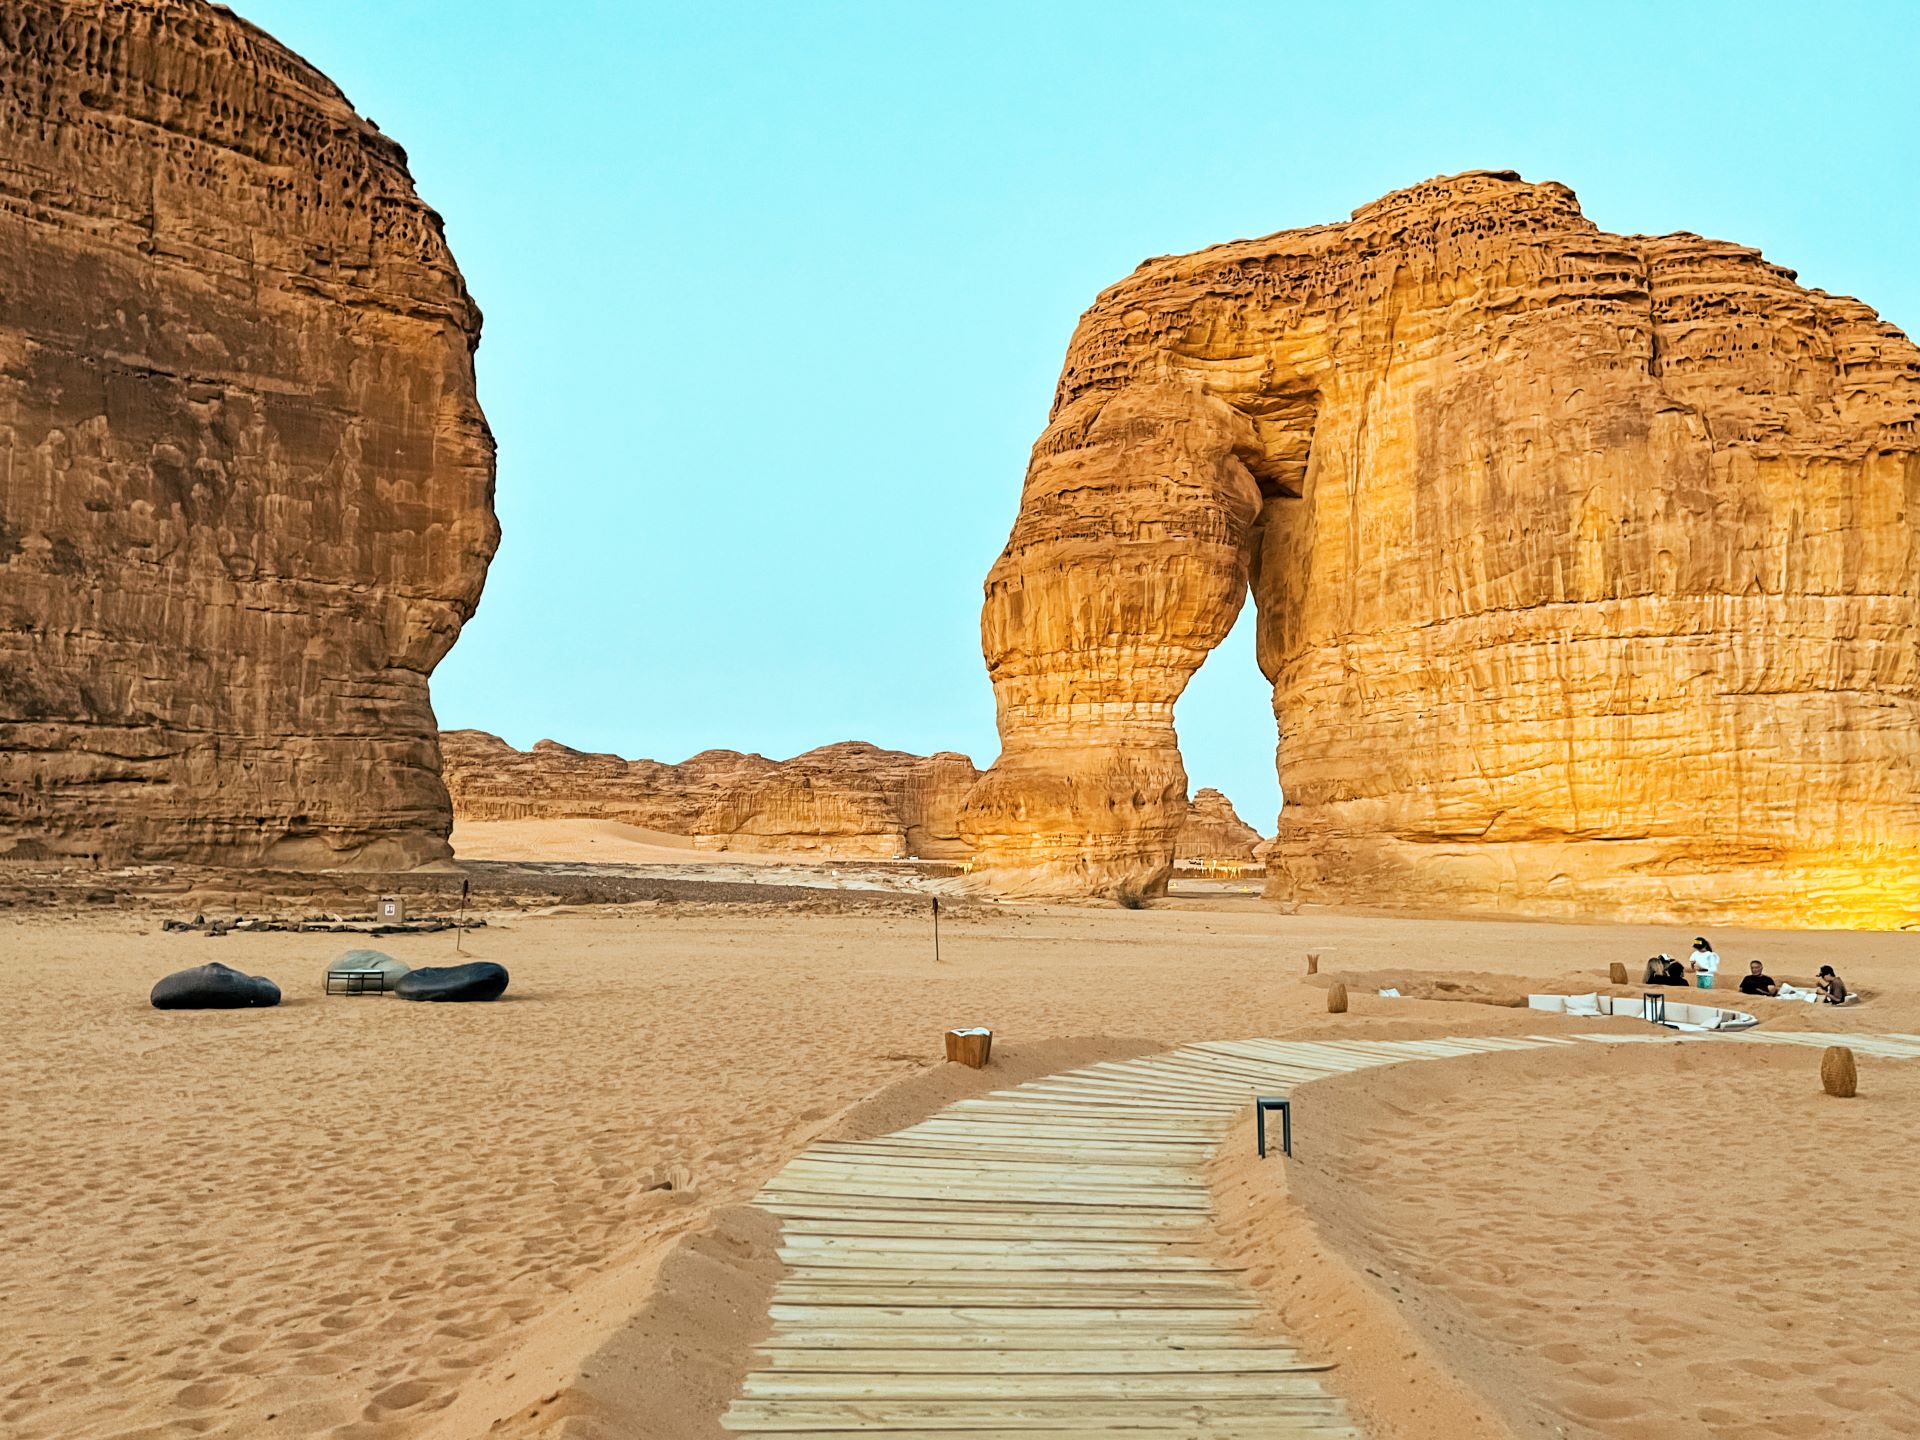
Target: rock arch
pixel 1586 570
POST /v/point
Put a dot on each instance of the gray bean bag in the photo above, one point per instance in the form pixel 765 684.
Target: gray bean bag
pixel 371 960
pixel 214 987
pixel 482 980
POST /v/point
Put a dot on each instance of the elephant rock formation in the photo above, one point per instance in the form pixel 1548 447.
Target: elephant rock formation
pixel 1585 568
pixel 245 484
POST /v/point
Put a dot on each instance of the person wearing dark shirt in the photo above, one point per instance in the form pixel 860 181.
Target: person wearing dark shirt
pixel 1832 988
pixel 1665 970
pixel 1757 982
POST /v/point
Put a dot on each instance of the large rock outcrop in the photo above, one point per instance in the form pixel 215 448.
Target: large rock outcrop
pixel 1214 833
pixel 851 800
pixel 490 780
pixel 1586 570
pixel 245 485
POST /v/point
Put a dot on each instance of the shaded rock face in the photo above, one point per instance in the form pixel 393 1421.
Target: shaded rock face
pixel 1214 832
pixel 1585 566
pixel 245 485
pixel 850 800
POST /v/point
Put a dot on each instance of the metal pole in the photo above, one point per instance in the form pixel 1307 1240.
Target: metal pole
pixel 460 929
pixel 936 929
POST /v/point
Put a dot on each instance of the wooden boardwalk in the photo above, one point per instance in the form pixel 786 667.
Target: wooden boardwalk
pixel 1033 1262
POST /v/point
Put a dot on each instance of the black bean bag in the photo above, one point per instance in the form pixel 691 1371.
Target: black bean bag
pixel 214 987
pixel 482 980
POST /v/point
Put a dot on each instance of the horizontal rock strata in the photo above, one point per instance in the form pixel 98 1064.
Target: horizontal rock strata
pixel 1214 833
pixel 851 800
pixel 1585 565
pixel 245 484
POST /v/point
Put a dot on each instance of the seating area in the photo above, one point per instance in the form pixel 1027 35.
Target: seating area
pixel 1656 1009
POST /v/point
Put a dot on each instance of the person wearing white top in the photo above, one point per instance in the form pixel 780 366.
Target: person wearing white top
pixel 1703 962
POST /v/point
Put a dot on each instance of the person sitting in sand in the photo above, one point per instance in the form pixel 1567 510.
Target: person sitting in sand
pixel 1757 982
pixel 1832 989
pixel 1665 970
pixel 1703 962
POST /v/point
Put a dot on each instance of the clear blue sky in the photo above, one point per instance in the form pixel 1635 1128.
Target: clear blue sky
pixel 776 293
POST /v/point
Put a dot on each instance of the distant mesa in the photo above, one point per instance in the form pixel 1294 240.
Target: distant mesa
pixel 1587 569
pixel 847 801
pixel 850 801
pixel 246 490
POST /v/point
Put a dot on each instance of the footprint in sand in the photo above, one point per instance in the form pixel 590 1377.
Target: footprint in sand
pixel 1591 1406
pixel 403 1396
pixel 204 1394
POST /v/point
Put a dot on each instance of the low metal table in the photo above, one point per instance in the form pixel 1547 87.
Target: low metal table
pixel 356 982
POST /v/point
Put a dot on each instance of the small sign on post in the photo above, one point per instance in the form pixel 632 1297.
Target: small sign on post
pixel 393 907
pixel 970 1047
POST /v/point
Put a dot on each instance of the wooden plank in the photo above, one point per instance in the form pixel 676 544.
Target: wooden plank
pixel 1113 1120
pixel 1154 1259
pixel 1306 1054
pixel 1119 1228
pixel 1078 1335
pixel 1292 1428
pixel 1087 1126
pixel 1083 1293
pixel 937 1415
pixel 982 1220
pixel 914 1250
pixel 857 1388
pixel 1087 1180
pixel 923 1360
pixel 1097 1171
pixel 970 1154
pixel 1216 1059
pixel 1230 1318
pixel 1165 1087
pixel 1170 1089
pixel 1089 1199
pixel 1230 1080
pixel 1076 1130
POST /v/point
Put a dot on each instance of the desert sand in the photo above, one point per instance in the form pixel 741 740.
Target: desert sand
pixel 362 1218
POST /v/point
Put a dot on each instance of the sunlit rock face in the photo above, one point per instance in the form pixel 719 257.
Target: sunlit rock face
pixel 1214 833
pixel 245 485
pixel 849 800
pixel 1585 565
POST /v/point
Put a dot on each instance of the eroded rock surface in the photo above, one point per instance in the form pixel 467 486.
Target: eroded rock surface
pixel 1214 832
pixel 1586 570
pixel 851 800
pixel 245 485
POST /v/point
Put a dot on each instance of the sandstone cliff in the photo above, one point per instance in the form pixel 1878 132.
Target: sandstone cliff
pixel 850 800
pixel 245 485
pixel 1586 570
pixel 1214 831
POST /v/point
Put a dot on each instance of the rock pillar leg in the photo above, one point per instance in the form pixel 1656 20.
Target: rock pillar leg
pixel 1127 564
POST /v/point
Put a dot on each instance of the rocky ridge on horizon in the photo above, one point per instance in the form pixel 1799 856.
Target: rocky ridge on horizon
pixel 850 800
